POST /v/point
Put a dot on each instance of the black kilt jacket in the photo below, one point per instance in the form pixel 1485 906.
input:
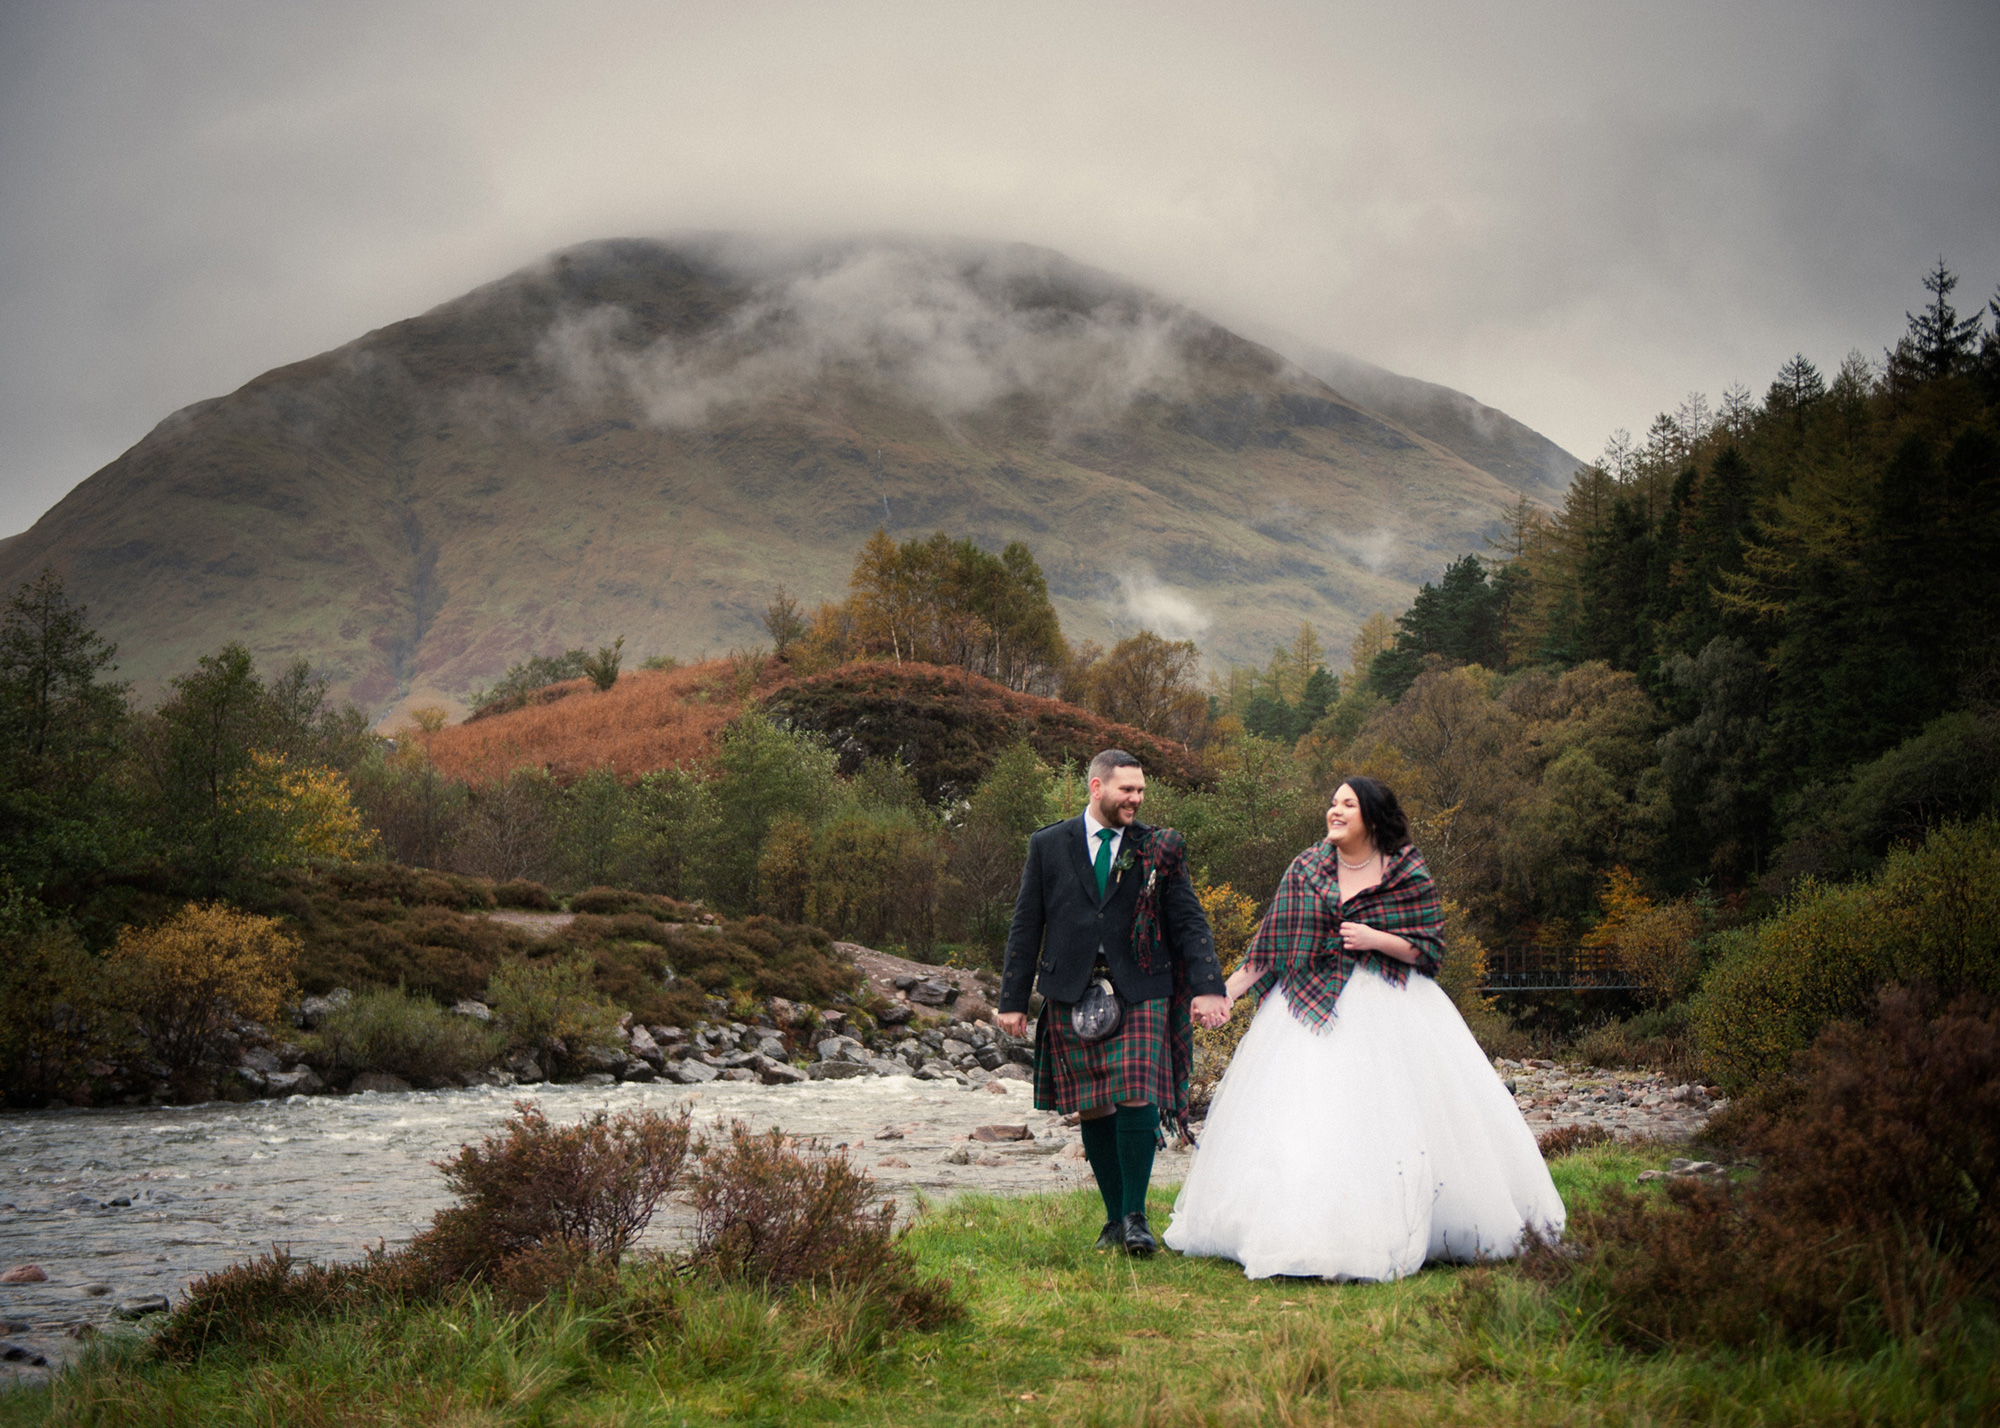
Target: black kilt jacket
pixel 1060 927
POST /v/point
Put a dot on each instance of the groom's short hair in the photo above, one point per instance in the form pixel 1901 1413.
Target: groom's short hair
pixel 1111 760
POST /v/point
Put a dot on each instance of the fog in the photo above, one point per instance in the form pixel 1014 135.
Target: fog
pixel 1578 213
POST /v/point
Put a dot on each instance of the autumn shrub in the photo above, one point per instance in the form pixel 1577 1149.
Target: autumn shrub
pixel 875 881
pixel 551 1004
pixel 522 894
pixel 1651 1041
pixel 1661 948
pixel 565 1194
pixel 188 978
pixel 57 1015
pixel 251 1305
pixel 773 1213
pixel 388 1029
pixel 612 902
pixel 1875 1214
pixel 410 887
pixel 1567 1140
pixel 1930 917
pixel 1232 918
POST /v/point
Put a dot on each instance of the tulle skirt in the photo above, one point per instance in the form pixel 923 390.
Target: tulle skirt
pixel 1362 1150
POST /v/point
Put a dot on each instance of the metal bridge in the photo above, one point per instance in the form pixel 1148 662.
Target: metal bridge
pixel 1555 969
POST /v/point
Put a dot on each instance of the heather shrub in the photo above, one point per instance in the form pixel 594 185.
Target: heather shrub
pixel 1875 1215
pixel 188 978
pixel 565 1194
pixel 1567 1140
pixel 409 1036
pixel 614 902
pixel 248 1306
pixel 522 894
pixel 1652 1041
pixel 772 1213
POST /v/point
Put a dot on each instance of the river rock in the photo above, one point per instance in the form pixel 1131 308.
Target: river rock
pixel 738 1073
pixel 835 1070
pixel 313 1010
pixel 1012 1071
pixel 932 993
pixel 995 1134
pixel 779 1073
pixel 378 1081
pixel 259 1058
pixel 25 1274
pixel 895 1014
pixel 139 1308
pixel 643 1044
pixel 21 1354
pixel 299 1081
pixel 525 1067
pixel 601 1058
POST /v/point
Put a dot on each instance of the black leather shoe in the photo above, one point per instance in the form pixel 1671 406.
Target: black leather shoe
pixel 1113 1236
pixel 1138 1239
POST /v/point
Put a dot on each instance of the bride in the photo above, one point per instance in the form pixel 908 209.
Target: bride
pixel 1359 1130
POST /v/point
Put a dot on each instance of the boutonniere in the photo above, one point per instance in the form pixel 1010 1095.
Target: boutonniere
pixel 1124 864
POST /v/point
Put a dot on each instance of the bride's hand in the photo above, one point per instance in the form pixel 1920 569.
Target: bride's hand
pixel 1360 937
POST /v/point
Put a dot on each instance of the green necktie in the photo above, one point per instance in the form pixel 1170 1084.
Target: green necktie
pixel 1102 866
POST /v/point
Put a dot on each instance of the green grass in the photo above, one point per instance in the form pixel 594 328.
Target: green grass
pixel 1055 1334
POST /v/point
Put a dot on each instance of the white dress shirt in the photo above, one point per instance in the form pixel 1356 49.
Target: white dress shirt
pixel 1090 830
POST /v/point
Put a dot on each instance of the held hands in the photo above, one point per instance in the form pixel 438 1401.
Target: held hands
pixel 1210 1011
pixel 1015 1024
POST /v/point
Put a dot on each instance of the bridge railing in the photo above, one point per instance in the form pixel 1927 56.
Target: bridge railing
pixel 1556 969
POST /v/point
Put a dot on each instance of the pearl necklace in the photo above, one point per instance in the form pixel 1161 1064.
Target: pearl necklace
pixel 1354 867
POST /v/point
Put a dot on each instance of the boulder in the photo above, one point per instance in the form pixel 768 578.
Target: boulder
pixel 18 1354
pixel 379 1081
pixel 259 1058
pixel 313 1010
pixel 932 993
pixel 525 1067
pixel 601 1058
pixel 883 1066
pixel 895 1014
pixel 1013 1071
pixel 689 1072
pixel 892 1162
pixel 25 1274
pixel 642 1043
pixel 639 1072
pixel 597 1078
pixel 139 1308
pixel 738 1073
pixel 836 1070
pixel 299 1081
pixel 778 1073
pixel 476 1010
pixel 990 1058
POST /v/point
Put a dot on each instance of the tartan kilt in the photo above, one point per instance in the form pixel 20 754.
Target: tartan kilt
pixel 1133 1064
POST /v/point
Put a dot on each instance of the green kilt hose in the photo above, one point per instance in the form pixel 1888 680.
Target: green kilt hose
pixel 1144 1062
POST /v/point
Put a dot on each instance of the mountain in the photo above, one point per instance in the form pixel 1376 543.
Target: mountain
pixel 648 438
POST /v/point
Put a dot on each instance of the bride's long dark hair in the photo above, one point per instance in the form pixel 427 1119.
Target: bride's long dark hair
pixel 1387 828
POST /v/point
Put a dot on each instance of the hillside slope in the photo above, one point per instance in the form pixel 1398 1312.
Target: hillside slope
pixel 648 438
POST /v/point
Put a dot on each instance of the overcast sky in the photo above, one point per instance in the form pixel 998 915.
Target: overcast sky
pixel 1576 212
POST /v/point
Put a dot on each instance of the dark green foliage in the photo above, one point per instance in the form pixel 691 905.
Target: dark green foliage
pixel 602 667
pixel 387 1029
pixel 1456 619
pixel 58 1014
pixel 947 727
pixel 1875 1216
pixel 514 688
pixel 62 725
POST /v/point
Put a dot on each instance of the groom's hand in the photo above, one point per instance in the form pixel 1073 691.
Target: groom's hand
pixel 1210 1011
pixel 1013 1023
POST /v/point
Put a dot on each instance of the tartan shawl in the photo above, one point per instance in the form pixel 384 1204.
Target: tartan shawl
pixel 1162 857
pixel 1297 946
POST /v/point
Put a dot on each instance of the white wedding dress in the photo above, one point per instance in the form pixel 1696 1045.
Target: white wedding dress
pixel 1362 1150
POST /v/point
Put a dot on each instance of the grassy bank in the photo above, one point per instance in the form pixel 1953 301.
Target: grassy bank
pixel 1055 1334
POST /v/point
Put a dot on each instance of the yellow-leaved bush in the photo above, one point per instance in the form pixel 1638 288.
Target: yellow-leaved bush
pixel 1232 917
pixel 302 815
pixel 1930 916
pixel 187 978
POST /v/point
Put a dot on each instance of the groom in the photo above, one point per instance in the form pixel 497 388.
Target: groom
pixel 1105 896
